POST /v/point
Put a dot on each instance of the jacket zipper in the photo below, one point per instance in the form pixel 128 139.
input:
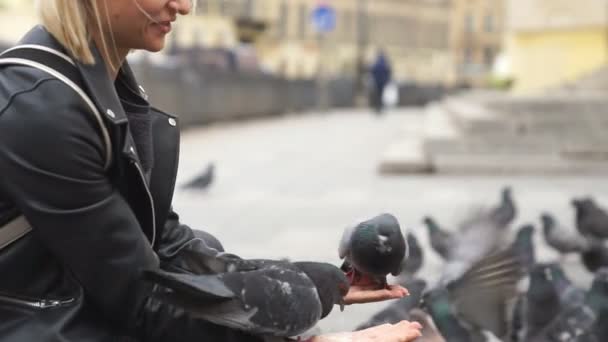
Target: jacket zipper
pixel 143 179
pixel 35 304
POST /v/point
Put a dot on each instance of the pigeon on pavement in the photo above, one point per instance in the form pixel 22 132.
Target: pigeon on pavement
pixel 591 220
pixel 561 239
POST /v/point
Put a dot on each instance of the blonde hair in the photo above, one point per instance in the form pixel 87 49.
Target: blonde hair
pixel 70 22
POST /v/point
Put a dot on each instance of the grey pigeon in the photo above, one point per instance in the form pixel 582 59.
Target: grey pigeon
pixel 372 249
pixel 542 300
pixel 595 257
pixel 591 220
pixel 523 245
pixel 476 300
pixel 415 259
pixel 506 211
pixel 561 239
pixel 441 240
pixel 586 321
pixel 399 309
pixel 479 235
pixel 275 301
pixel 204 180
pixel 430 332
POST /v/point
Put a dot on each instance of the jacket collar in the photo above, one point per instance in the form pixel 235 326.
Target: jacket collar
pixel 95 76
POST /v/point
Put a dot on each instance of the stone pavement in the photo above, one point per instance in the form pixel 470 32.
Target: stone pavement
pixel 286 187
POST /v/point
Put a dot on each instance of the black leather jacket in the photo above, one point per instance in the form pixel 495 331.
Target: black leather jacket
pixel 75 276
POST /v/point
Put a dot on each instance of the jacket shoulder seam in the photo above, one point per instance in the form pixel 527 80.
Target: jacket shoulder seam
pixel 24 91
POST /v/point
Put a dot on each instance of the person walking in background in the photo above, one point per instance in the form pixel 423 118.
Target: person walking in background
pixel 381 76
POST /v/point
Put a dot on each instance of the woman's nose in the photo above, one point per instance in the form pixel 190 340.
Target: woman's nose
pixel 182 7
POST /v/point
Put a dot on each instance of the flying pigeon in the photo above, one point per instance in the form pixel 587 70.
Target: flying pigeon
pixel 561 239
pixel 415 259
pixel 372 249
pixel 441 240
pixel 591 220
pixel 281 299
pixel 477 299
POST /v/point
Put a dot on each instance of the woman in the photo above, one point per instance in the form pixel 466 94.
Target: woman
pixel 86 188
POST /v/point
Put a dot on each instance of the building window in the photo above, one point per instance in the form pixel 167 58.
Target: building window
pixel 488 56
pixel 248 9
pixel 468 56
pixel 303 18
pixel 282 20
pixel 489 23
pixel 469 23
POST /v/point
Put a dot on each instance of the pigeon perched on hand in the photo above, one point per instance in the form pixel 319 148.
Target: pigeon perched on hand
pixel 372 249
pixel 591 220
pixel 281 299
pixel 561 239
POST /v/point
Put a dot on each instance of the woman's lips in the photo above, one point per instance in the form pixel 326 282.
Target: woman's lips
pixel 164 26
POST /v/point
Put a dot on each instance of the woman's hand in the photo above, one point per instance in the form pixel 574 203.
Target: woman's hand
pixel 358 294
pixel 403 331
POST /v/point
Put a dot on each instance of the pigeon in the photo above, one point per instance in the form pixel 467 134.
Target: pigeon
pixel 561 239
pixel 441 240
pixel 280 299
pixel 204 180
pixel 582 321
pixel 523 245
pixel 591 220
pixel 430 332
pixel 415 259
pixel 542 300
pixel 506 212
pixel 595 257
pixel 372 249
pixel 399 309
pixel 438 305
pixel 479 236
pixel 463 305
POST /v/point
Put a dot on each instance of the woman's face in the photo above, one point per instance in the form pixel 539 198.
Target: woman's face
pixel 140 24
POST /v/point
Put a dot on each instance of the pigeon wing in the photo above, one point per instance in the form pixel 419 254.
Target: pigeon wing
pixel 482 294
pixel 201 287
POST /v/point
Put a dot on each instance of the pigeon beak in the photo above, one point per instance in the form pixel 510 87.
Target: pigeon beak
pixel 341 305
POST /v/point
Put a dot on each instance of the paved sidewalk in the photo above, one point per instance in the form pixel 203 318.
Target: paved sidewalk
pixel 286 187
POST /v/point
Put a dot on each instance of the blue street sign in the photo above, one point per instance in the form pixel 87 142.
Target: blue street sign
pixel 324 18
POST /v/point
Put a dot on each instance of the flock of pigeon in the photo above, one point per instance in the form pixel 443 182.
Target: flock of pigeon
pixel 491 287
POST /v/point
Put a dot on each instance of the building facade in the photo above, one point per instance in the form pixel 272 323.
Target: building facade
pixel 552 42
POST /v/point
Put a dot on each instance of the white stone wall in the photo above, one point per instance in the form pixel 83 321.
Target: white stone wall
pixel 534 15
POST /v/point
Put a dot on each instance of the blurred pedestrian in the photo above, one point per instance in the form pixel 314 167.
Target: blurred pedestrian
pixel 381 74
pixel 85 199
